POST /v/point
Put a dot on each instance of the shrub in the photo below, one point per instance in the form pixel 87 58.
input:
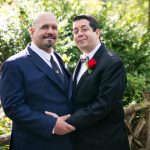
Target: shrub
pixel 130 40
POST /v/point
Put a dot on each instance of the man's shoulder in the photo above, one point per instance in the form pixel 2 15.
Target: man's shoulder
pixel 111 56
pixel 106 53
pixel 16 59
pixel 18 56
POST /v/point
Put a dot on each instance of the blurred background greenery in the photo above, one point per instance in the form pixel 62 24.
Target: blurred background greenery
pixel 125 26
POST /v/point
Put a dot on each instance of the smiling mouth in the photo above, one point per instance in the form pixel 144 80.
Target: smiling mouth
pixel 80 41
pixel 49 38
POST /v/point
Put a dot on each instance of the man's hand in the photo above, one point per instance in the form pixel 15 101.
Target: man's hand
pixel 61 127
pixel 51 114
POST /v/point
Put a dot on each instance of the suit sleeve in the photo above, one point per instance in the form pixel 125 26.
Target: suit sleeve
pixel 13 102
pixel 110 94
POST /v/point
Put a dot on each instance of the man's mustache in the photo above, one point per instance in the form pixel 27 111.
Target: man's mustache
pixel 49 36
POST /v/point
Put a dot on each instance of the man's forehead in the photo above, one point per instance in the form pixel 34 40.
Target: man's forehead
pixel 81 22
pixel 75 26
pixel 44 17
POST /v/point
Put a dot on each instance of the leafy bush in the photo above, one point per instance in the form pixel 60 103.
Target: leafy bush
pixel 122 31
pixel 135 88
pixel 5 123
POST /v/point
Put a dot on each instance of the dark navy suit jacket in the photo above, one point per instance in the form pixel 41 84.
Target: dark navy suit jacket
pixel 29 87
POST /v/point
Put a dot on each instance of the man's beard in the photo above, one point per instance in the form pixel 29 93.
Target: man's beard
pixel 49 45
pixel 50 42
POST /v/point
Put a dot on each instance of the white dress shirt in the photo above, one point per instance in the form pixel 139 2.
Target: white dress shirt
pixel 45 56
pixel 83 67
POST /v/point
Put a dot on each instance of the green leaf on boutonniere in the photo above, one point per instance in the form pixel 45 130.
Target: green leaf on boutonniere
pixel 89 71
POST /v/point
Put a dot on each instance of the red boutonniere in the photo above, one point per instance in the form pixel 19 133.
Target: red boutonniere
pixel 91 64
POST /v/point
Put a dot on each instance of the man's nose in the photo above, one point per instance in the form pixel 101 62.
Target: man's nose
pixel 50 30
pixel 80 33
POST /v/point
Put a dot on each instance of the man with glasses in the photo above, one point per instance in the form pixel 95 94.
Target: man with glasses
pixel 99 82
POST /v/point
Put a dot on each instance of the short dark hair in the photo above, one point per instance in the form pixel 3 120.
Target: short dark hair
pixel 92 20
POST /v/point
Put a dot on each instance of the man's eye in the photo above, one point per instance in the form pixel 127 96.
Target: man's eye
pixel 54 28
pixel 75 32
pixel 84 29
pixel 44 27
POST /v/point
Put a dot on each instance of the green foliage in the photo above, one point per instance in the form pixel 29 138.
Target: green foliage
pixel 5 123
pixel 124 29
pixel 133 48
pixel 135 88
pixel 124 26
pixel 14 34
pixel 5 127
pixel 4 148
pixel 127 34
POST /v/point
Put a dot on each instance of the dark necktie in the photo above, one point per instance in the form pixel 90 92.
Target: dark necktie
pixel 56 69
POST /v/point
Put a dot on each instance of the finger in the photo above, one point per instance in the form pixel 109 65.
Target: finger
pixel 65 117
pixel 51 114
pixel 70 128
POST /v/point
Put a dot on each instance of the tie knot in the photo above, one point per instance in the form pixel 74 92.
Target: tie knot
pixel 84 59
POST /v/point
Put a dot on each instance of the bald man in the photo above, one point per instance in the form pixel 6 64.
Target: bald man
pixel 35 82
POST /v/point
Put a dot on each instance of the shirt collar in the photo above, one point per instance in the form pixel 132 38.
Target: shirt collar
pixel 91 54
pixel 41 52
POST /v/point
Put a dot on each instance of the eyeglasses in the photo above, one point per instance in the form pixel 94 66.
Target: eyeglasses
pixel 82 30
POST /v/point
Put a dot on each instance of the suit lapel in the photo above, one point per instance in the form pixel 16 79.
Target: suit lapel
pixel 67 76
pixel 100 51
pixel 83 77
pixel 96 56
pixel 62 64
pixel 75 74
pixel 65 71
pixel 39 63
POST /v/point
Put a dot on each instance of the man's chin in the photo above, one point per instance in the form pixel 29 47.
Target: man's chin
pixel 82 46
pixel 48 45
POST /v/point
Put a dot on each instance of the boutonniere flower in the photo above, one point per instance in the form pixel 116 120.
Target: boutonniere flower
pixel 91 65
pixel 66 60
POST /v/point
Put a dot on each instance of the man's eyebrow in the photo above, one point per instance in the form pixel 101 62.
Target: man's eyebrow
pixel 81 27
pixel 47 25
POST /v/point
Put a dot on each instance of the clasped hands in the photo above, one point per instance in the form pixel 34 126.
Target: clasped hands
pixel 61 126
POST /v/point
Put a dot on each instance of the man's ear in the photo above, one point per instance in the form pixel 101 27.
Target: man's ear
pixel 31 30
pixel 98 32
